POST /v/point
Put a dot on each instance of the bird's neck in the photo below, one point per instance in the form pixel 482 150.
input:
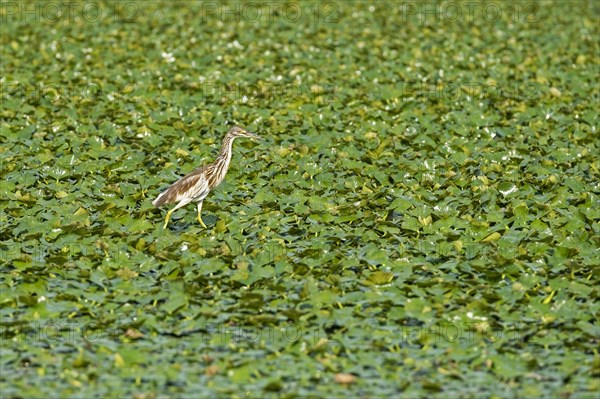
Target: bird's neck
pixel 225 153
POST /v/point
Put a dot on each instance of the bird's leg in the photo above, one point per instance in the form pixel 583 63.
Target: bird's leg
pixel 182 203
pixel 167 218
pixel 199 214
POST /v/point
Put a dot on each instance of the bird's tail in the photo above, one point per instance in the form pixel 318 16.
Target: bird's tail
pixel 159 200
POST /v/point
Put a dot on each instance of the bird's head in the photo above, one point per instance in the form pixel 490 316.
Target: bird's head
pixel 238 131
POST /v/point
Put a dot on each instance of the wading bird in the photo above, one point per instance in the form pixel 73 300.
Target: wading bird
pixel 195 186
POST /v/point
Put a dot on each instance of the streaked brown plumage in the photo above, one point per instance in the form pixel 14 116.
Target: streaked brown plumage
pixel 195 186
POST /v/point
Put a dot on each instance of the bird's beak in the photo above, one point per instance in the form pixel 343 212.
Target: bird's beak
pixel 253 136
